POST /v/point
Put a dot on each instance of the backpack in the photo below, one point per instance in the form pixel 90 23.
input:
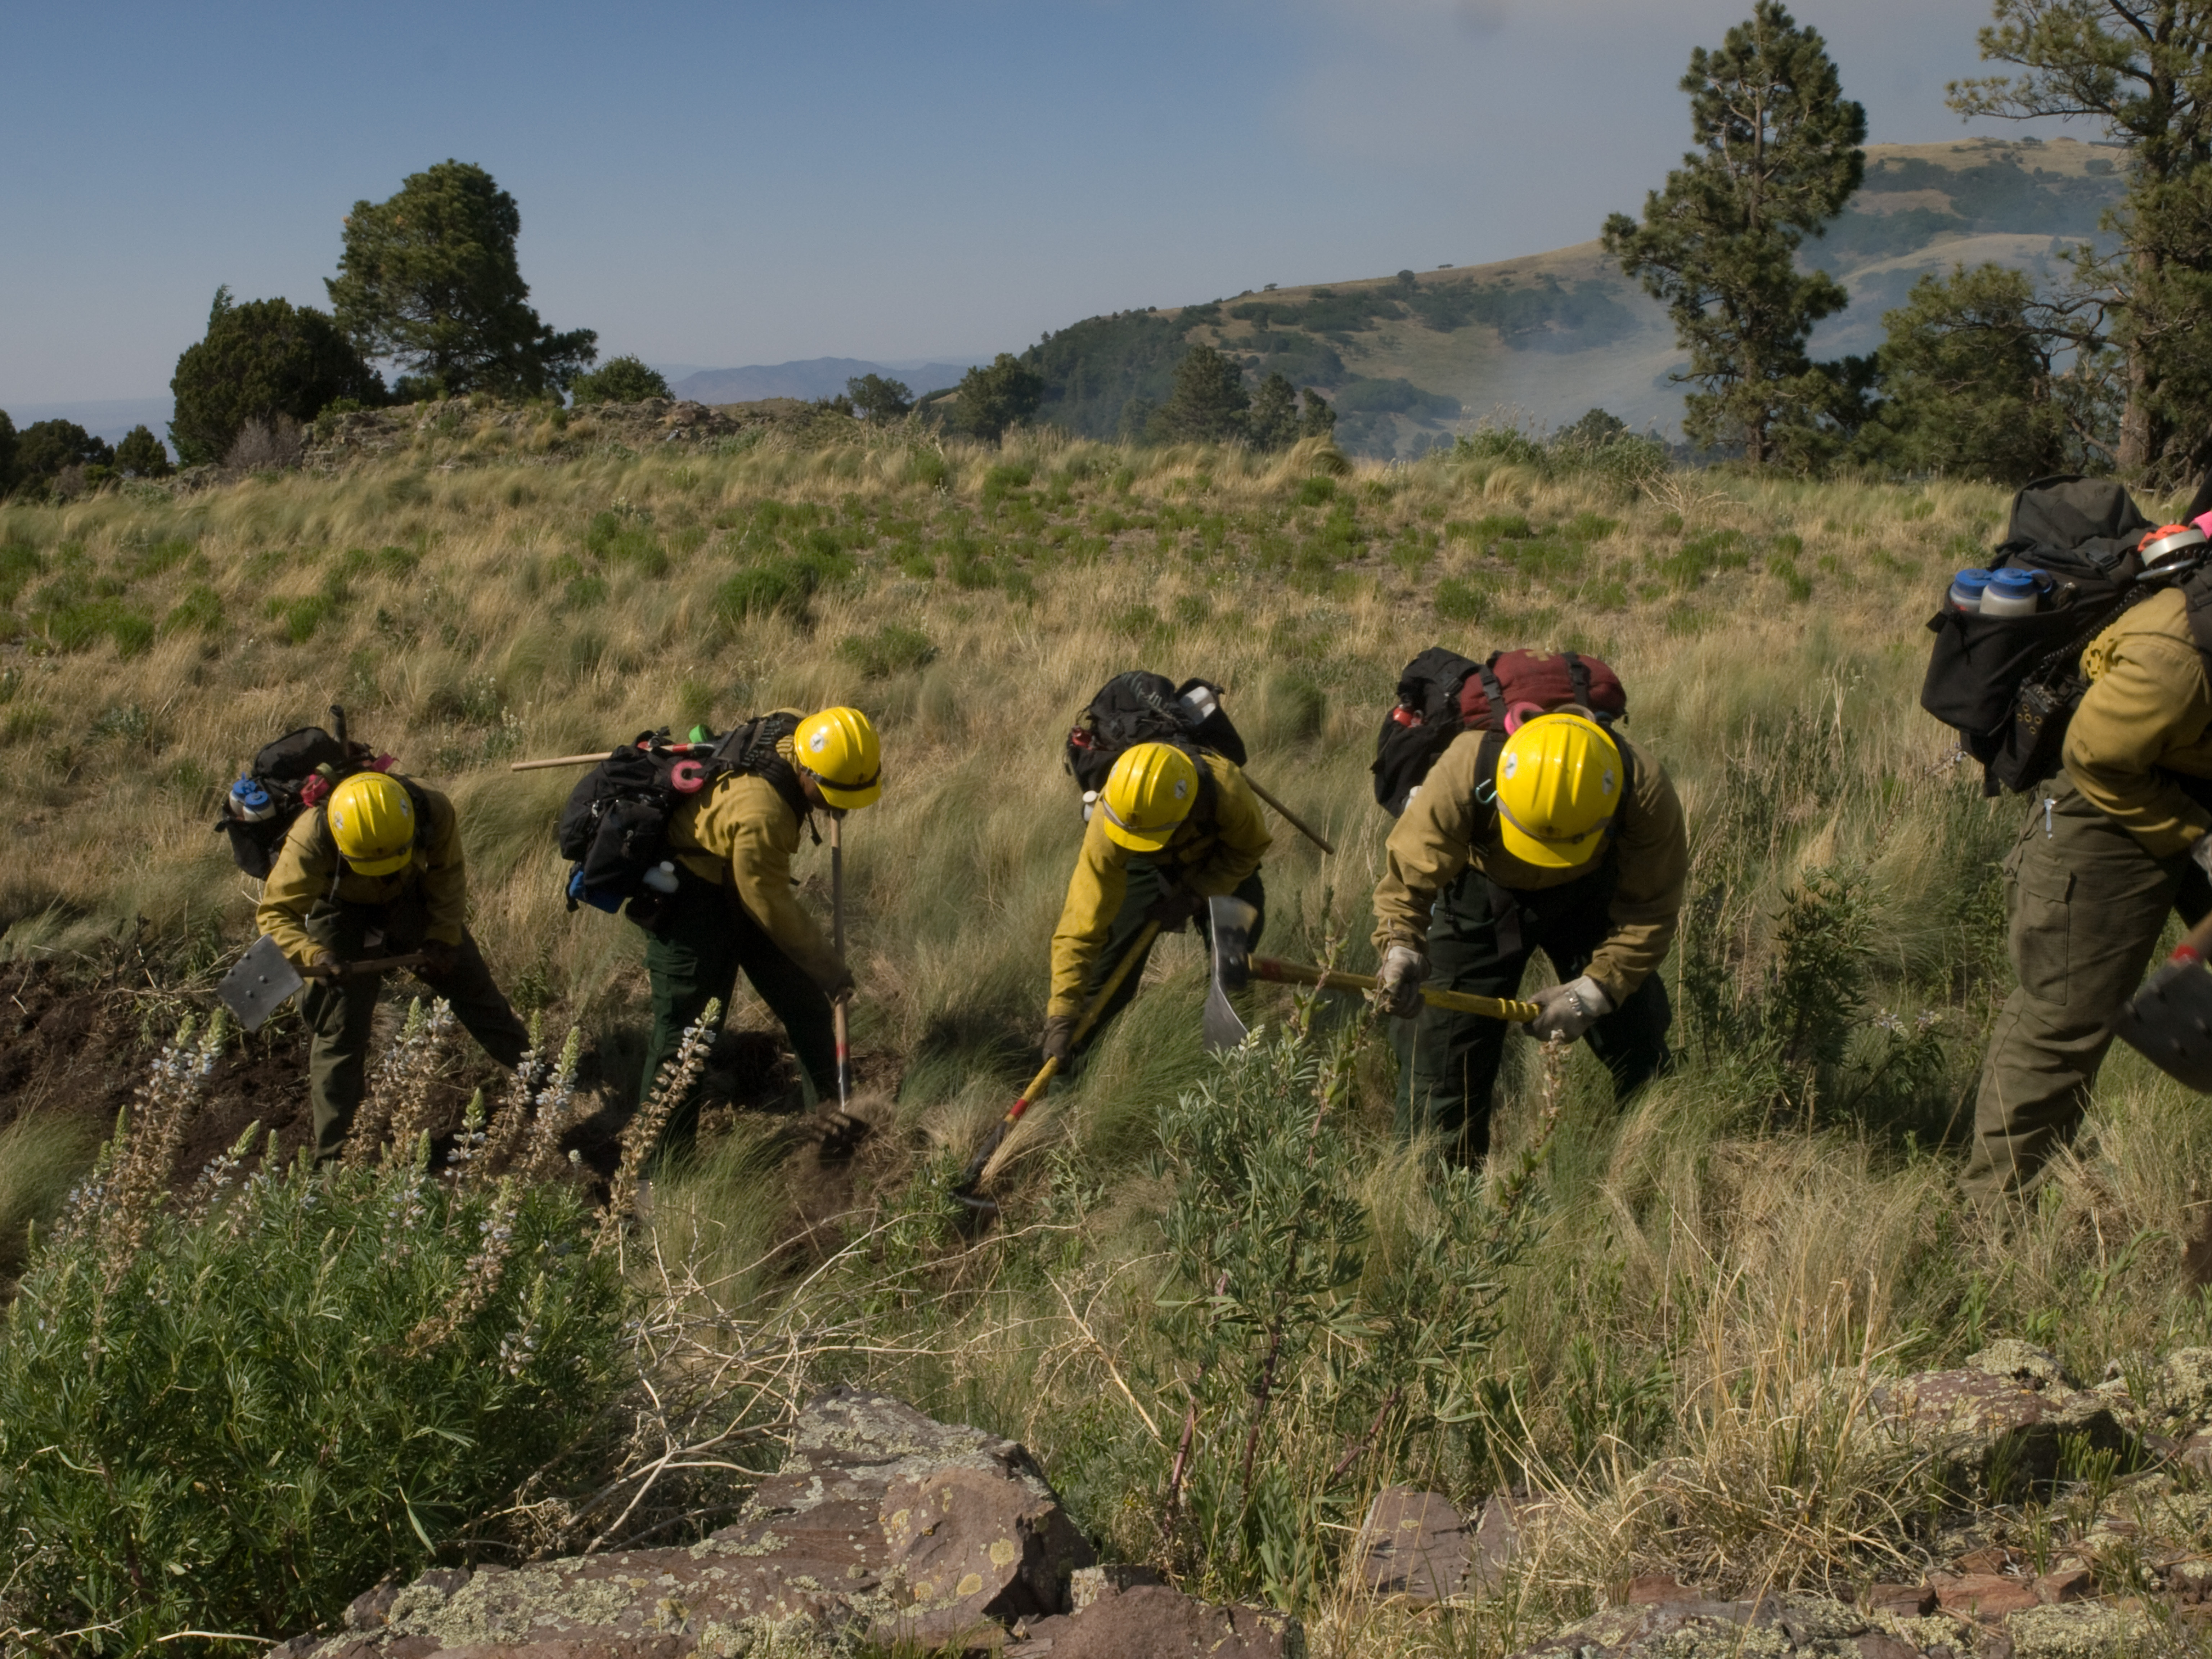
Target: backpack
pixel 2009 686
pixel 614 828
pixel 1139 708
pixel 289 771
pixel 1442 694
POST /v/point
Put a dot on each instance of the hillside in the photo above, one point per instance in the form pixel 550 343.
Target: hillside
pixel 1539 339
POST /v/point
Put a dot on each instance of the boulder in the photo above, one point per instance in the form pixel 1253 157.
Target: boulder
pixel 2000 1422
pixel 1413 1544
pixel 1153 1621
pixel 883 1524
pixel 1695 1629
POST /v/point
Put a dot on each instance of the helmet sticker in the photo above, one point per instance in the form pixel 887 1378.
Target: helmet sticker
pixel 1512 765
pixel 820 740
pixel 1182 788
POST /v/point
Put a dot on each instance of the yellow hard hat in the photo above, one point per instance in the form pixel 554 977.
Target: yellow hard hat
pixel 373 821
pixel 839 747
pixel 1148 795
pixel 1559 781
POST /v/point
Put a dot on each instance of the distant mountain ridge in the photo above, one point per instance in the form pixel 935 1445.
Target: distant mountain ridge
pixel 810 377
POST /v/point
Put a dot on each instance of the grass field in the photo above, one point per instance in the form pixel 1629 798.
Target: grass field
pixel 1747 1245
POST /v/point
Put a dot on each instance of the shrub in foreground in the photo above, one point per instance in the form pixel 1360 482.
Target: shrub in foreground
pixel 233 1410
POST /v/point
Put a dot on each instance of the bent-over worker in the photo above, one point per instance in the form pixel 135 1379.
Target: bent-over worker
pixel 1573 844
pixel 377 870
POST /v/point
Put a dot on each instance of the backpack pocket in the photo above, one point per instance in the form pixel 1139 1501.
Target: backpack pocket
pixel 1978 664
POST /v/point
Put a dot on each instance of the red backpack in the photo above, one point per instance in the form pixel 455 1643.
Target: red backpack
pixel 1442 694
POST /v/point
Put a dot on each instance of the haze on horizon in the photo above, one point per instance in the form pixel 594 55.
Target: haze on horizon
pixel 760 182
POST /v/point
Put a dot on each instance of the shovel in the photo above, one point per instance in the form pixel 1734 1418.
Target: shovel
pixel 2169 1023
pixel 972 1177
pixel 1234 967
pixel 847 1124
pixel 263 980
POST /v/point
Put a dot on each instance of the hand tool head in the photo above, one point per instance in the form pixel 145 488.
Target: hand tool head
pixel 2170 1021
pixel 1230 924
pixel 260 982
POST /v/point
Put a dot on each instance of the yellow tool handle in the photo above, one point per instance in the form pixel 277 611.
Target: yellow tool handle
pixel 1465 1002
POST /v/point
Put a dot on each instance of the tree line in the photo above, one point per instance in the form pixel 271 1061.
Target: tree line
pixel 1981 374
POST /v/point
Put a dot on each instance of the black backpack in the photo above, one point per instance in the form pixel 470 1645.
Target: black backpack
pixel 2009 686
pixel 1139 708
pixel 613 829
pixel 1442 694
pixel 282 768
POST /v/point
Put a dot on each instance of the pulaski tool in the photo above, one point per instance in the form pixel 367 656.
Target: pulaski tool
pixel 263 980
pixel 1235 967
pixel 2169 1023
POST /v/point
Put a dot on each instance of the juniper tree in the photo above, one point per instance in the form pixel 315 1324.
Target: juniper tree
pixel 258 361
pixel 1317 415
pixel 2143 69
pixel 879 398
pixel 429 279
pixel 1779 157
pixel 141 454
pixel 1209 404
pixel 1274 418
pixel 620 380
pixel 992 399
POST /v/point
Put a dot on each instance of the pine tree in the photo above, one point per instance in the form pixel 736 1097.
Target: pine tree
pixel 1209 404
pixel 141 454
pixel 991 399
pixel 1779 156
pixel 2143 69
pixel 429 279
pixel 1316 417
pixel 1274 414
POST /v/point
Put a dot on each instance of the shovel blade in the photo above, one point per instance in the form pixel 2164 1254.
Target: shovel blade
pixel 259 983
pixel 2170 1023
pixel 1229 923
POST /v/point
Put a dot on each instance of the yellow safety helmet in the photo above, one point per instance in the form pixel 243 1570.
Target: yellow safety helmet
pixel 373 821
pixel 1559 783
pixel 839 748
pixel 1148 795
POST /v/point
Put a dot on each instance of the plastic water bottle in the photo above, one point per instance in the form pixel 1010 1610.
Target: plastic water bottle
pixel 250 801
pixel 662 877
pixel 1202 704
pixel 1967 589
pixel 2012 593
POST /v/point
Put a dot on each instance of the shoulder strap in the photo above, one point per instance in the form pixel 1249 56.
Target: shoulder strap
pixel 2197 593
pixel 754 752
pixel 1578 675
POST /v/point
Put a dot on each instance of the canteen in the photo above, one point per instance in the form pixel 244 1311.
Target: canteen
pixel 2012 593
pixel 1967 589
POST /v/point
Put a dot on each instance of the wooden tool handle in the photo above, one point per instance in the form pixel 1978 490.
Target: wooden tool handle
pixel 1290 818
pixel 596 756
pixel 1465 1002
pixel 2196 943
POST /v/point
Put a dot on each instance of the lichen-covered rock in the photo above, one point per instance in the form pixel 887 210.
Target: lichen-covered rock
pixel 882 1525
pixel 2033 1367
pixel 1413 1544
pixel 1153 1621
pixel 2000 1422
pixel 1777 1627
pixel 2079 1630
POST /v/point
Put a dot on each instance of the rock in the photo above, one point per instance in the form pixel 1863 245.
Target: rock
pixel 2081 1629
pixel 1990 1558
pixel 1089 1583
pixel 2189 1582
pixel 1985 1596
pixel 882 1525
pixel 2065 1585
pixel 1413 1544
pixel 1658 1590
pixel 2032 1368
pixel 1997 1429
pixel 1773 1627
pixel 1878 1644
pixel 1497 1542
pixel 1901 1600
pixel 1153 1621
pixel 371 1608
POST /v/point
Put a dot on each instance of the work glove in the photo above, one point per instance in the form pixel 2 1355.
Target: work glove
pixel 323 965
pixel 1399 984
pixel 1174 909
pixel 843 990
pixel 1059 1043
pixel 438 958
pixel 2200 855
pixel 1569 1010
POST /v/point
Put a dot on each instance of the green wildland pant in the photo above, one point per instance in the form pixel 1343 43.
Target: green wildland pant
pixel 1147 881
pixel 342 1014
pixel 694 958
pixel 1481 938
pixel 2085 902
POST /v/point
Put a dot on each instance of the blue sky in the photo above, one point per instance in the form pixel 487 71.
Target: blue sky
pixel 750 183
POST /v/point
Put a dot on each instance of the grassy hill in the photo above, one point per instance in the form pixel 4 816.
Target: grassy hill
pixel 1692 1297
pixel 1540 339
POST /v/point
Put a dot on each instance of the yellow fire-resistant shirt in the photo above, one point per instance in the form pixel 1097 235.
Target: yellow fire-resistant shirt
pixel 1432 843
pixel 301 877
pixel 1220 843
pixel 2145 718
pixel 742 834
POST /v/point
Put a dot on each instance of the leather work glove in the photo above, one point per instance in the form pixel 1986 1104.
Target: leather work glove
pixel 438 958
pixel 1059 1043
pixel 1174 909
pixel 1399 983
pixel 843 989
pixel 1569 1009
pixel 323 965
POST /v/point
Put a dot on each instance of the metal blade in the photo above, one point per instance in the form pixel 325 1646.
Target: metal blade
pixel 260 983
pixel 1228 927
pixel 2170 1023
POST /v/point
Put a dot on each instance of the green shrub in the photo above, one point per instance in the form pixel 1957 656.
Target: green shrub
pixel 301 618
pixel 83 624
pixel 231 1411
pixel 930 470
pixel 1459 600
pixel 619 539
pixel 1314 492
pixel 1784 570
pixel 889 650
pixel 782 586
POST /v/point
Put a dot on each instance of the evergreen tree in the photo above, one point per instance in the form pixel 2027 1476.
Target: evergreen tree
pixel 44 448
pixel 1779 156
pixel 7 453
pixel 258 361
pixel 1274 414
pixel 2143 69
pixel 1974 387
pixel 141 454
pixel 991 399
pixel 429 279
pixel 1317 419
pixel 620 380
pixel 1209 403
pixel 877 398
